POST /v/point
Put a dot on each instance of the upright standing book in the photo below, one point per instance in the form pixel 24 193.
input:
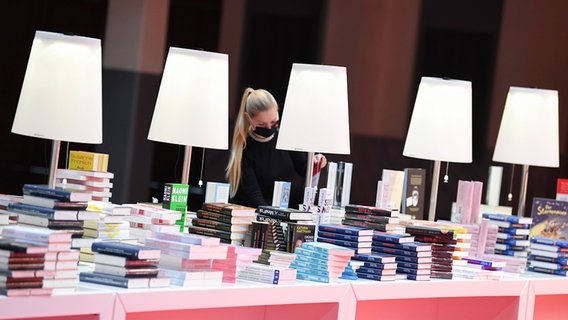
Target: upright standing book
pixel 414 192
pixel 550 218
pixel 175 198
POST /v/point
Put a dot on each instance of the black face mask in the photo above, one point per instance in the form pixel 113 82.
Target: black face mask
pixel 266 132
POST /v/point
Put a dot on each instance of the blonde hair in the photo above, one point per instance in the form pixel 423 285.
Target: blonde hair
pixel 252 102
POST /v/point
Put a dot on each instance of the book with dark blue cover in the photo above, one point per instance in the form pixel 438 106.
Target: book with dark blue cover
pixel 115 281
pixel 375 257
pixel 507 218
pixel 375 265
pixel 342 236
pixel 372 270
pixel 558 272
pixel 350 230
pixel 344 243
pixel 392 237
pixel 358 208
pixel 406 270
pixel 287 214
pixel 376 277
pixel 400 252
pixel 552 242
pixel 560 261
pixel 411 246
pixel 55 193
pixel 411 265
pixel 38 211
pixel 124 249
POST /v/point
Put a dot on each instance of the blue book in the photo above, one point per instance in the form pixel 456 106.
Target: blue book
pixel 115 281
pixel 311 277
pixel 344 243
pixel 507 218
pixel 375 257
pixel 127 250
pixel 559 261
pixel 549 241
pixel 56 193
pixel 558 272
pixel 400 269
pixel 412 265
pixel 350 230
pixel 400 252
pixel 373 270
pixel 418 277
pixel 38 211
pixel 375 265
pixel 514 242
pixel 393 238
pixel 343 236
pixel 328 248
pixel 411 246
pixel 413 259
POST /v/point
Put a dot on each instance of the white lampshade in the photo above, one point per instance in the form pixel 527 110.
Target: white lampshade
pixel 315 116
pixel 192 104
pixel 441 124
pixel 61 97
pixel 528 133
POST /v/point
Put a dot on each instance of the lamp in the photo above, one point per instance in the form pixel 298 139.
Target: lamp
pixel 192 104
pixel 315 116
pixel 528 134
pixel 61 97
pixel 440 127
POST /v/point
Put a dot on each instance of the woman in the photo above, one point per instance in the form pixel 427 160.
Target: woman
pixel 255 163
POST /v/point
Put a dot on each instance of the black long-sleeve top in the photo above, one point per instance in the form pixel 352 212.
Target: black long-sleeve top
pixel 261 165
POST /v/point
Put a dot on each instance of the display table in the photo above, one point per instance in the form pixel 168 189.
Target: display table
pixel 528 296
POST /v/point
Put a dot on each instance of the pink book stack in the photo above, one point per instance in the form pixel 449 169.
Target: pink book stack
pixel 238 258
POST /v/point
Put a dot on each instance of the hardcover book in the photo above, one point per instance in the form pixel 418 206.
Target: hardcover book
pixel 550 218
pixel 230 209
pixel 298 234
pixel 281 194
pixel 217 192
pixel 414 192
pixel 131 251
pixel 562 189
pixel 58 194
pixel 349 230
pixel 392 189
pixel 82 160
pixel 358 208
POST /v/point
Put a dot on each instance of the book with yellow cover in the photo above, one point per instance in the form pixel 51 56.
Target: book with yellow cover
pixel 83 160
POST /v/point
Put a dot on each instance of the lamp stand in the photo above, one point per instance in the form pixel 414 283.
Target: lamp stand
pixel 186 164
pixel 523 193
pixel 54 161
pixel 309 169
pixel 434 190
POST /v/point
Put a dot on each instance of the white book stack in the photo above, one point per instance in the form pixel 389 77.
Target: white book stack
pixel 98 183
pixel 147 219
pixel 186 258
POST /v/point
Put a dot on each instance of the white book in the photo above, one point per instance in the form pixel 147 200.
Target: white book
pixel 392 189
pixel 281 194
pixel 217 192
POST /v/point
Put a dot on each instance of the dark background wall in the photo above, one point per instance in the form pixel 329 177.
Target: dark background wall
pixel 387 46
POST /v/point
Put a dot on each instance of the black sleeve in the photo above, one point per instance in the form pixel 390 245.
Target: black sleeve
pixel 300 160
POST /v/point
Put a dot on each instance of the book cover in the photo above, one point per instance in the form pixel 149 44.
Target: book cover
pixel 288 214
pixel 550 218
pixel 298 234
pixel 562 189
pixel 392 189
pixel 325 202
pixel 281 194
pixel 464 203
pixel 338 185
pixel 92 161
pixel 55 193
pixel 124 249
pixel 414 192
pixel 217 192
pixel 175 198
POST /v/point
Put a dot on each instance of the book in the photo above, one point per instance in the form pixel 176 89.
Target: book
pixel 298 234
pixel 112 280
pixel 464 203
pixel 414 192
pixel 383 227
pixel 188 238
pixel 217 192
pixel 508 218
pixel 375 258
pixel 343 236
pixel 281 194
pixel 175 198
pixel 371 218
pixel 21 247
pixel 392 237
pixel 53 214
pixel 127 250
pixel 410 246
pixel 129 272
pixel 26 219
pixel 198 222
pixel 560 243
pixel 92 161
pixel 54 203
pixel 35 235
pixel 562 189
pixel 349 230
pixel 215 233
pixel 339 180
pixel 358 208
pixel 288 214
pixel 325 202
pixel 550 218
pixel 391 190
pixel 55 193
pixel 230 209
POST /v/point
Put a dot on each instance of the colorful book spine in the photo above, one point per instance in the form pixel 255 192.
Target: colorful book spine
pixel 550 241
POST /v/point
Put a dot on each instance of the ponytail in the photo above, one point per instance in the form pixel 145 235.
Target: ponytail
pixel 252 102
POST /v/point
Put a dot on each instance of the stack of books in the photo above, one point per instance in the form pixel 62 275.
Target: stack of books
pixel 97 183
pixel 226 221
pixel 375 266
pixel 146 219
pixel 36 261
pixel 480 269
pixel 371 217
pixel 268 236
pixel 321 262
pixel 281 259
pixel 356 238
pixel 238 258
pixel 267 274
pixel 548 255
pixel 187 258
pixel 512 234
pixel 54 209
pixel 125 265
pixel 412 258
pixel 7 217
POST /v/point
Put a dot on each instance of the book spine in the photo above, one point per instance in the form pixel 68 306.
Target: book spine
pixel 210 232
pixel 272 212
pixel 213 216
pixel 339 236
pixel 549 241
pixel 211 224
pixel 104 279
pixel 41 191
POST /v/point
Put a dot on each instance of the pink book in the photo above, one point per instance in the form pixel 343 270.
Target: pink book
pixel 476 201
pixel 464 200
